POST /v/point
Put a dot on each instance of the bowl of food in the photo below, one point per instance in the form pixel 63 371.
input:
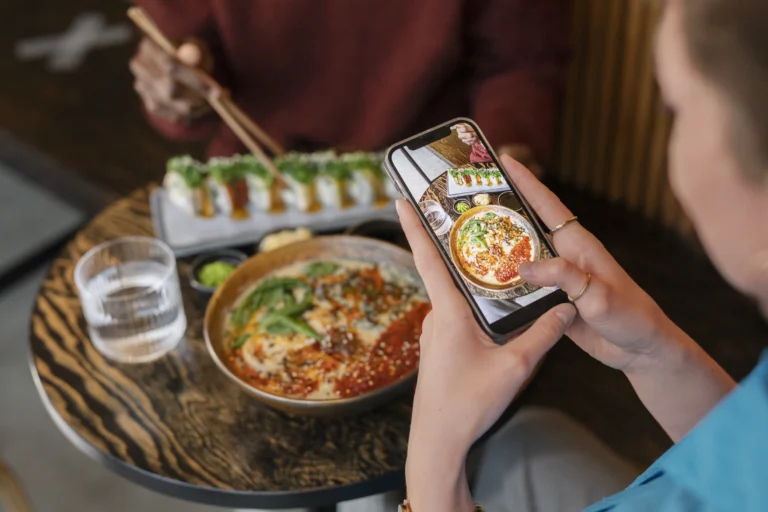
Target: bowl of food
pixel 322 327
pixel 488 244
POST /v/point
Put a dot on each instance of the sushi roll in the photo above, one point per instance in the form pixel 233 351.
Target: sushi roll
pixel 475 173
pixel 262 193
pixel 299 174
pixel 366 184
pixel 185 183
pixel 456 175
pixel 332 182
pixel 486 175
pixel 464 173
pixel 228 187
pixel 496 174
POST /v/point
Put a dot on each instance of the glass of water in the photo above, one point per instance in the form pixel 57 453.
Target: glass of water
pixel 438 219
pixel 131 298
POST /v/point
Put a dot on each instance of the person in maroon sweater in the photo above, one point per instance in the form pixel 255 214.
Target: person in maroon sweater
pixel 358 74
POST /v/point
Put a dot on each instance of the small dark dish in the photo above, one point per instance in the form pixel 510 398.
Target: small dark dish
pixel 457 206
pixel 225 255
pixel 510 200
pixel 381 229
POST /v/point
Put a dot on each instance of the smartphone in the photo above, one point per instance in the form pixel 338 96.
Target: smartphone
pixel 479 221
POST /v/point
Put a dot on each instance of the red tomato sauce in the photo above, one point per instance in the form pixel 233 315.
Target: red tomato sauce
pixel 507 269
pixel 395 355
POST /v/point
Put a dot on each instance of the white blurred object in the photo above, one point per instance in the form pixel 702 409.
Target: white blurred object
pixel 66 51
pixel 283 238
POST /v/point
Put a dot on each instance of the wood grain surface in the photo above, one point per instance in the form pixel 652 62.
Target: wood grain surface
pixel 180 419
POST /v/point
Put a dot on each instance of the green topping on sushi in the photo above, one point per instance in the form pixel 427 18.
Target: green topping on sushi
pixel 337 170
pixel 361 161
pixel 226 170
pixel 297 167
pixel 190 170
pixel 252 165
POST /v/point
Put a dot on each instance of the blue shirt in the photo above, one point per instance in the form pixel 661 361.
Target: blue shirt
pixel 721 465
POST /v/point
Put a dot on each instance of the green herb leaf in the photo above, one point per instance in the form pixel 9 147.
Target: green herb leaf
pixel 239 341
pixel 295 309
pixel 301 327
pixel 490 216
pixel 321 268
pixel 278 329
pixel 272 297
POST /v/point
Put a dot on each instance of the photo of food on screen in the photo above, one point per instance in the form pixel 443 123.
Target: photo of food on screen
pixel 477 217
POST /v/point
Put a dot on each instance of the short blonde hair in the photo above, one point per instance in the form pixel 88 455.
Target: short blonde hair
pixel 728 44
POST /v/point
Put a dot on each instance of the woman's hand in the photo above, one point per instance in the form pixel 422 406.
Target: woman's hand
pixel 618 323
pixel 466 133
pixel 465 380
pixel 167 88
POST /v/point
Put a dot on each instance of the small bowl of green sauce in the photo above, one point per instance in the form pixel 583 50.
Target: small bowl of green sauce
pixel 209 270
pixel 461 207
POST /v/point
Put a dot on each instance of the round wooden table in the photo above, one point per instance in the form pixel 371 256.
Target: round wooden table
pixel 178 425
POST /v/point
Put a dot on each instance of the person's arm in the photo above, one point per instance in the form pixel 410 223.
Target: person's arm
pixel 619 324
pixel 171 99
pixel 679 383
pixel 465 379
pixel 518 56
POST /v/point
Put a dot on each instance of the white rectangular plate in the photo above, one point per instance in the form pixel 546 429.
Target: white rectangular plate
pixel 455 190
pixel 188 235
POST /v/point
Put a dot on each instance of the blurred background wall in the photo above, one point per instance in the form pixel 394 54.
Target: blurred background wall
pixel 614 127
pixel 612 138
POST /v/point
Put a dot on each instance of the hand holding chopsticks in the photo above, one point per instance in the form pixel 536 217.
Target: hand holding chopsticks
pixel 217 96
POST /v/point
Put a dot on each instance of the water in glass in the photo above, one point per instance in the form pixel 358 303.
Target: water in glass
pixel 131 299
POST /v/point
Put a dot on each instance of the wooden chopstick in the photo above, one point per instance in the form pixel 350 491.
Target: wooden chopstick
pixel 255 129
pixel 217 102
pixel 240 123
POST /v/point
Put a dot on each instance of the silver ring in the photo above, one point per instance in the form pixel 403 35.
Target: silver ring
pixel 583 289
pixel 561 226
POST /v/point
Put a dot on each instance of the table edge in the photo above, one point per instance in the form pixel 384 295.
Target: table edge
pixel 220 497
pixel 318 496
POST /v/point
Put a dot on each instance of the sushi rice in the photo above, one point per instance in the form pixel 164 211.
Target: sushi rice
pixel 185 182
pixel 299 173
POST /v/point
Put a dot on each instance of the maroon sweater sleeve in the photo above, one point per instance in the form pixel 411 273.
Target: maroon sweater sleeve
pixel 519 51
pixel 180 21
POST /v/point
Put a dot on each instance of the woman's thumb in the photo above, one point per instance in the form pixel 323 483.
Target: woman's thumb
pixel 543 334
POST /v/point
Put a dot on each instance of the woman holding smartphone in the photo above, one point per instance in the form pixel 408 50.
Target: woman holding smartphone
pixel 712 63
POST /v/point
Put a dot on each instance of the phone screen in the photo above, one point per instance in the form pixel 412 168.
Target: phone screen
pixel 477 217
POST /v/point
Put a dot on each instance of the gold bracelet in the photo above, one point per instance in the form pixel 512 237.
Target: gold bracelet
pixel 405 506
